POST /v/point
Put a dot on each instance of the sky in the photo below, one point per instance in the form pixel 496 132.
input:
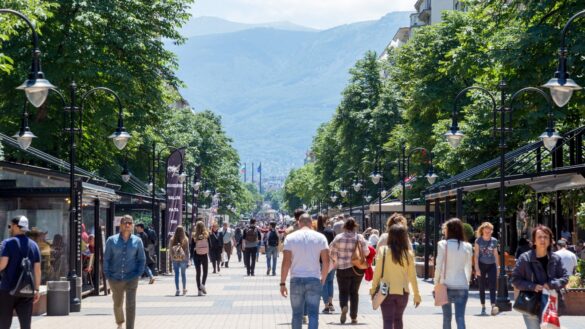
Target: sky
pixel 319 14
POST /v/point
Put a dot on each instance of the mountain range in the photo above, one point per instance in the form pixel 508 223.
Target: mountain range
pixel 274 83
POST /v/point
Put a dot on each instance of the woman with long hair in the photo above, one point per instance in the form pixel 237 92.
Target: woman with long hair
pixel 349 277
pixel 453 269
pixel 395 218
pixel 539 269
pixel 199 239
pixel 327 291
pixel 179 249
pixel 215 247
pixel 487 264
pixel 399 271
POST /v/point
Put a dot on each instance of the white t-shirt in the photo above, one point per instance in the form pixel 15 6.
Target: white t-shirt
pixel 568 259
pixel 306 246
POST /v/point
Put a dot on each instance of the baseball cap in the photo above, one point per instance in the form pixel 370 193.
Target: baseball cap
pixel 22 222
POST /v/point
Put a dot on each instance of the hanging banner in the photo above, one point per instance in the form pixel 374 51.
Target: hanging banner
pixel 174 191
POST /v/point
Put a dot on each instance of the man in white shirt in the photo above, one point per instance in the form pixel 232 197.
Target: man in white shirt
pixel 568 258
pixel 302 251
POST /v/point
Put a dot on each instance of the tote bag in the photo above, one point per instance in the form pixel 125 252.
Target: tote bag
pixel 382 288
pixel 440 289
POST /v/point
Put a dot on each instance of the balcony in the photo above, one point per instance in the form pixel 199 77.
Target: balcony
pixel 424 10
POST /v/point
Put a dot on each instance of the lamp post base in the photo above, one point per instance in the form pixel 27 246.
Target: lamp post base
pixel 74 294
pixel 502 298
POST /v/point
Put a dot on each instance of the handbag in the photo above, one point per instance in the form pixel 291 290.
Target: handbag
pixel 528 302
pixel 440 289
pixel 358 259
pixel 382 289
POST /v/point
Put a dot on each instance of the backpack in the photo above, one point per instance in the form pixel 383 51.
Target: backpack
pixel 178 252
pixel 273 239
pixel 251 235
pixel 25 287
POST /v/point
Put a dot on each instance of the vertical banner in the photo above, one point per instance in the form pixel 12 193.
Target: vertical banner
pixel 174 191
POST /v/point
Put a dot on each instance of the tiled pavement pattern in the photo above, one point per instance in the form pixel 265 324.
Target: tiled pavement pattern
pixel 237 301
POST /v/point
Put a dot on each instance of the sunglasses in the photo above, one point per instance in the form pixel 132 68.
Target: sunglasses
pixel 127 223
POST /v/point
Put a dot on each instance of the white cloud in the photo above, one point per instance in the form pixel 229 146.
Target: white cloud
pixel 313 13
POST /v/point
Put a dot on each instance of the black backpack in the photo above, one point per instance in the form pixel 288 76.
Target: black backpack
pixel 25 287
pixel 251 235
pixel 273 239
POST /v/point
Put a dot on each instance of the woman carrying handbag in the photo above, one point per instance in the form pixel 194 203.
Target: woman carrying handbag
pixel 393 274
pixel 348 252
pixel 453 270
pixel 535 271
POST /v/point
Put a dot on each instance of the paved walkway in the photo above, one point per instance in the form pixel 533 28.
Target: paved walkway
pixel 237 301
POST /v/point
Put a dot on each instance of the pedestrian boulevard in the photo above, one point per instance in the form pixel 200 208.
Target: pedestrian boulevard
pixel 237 301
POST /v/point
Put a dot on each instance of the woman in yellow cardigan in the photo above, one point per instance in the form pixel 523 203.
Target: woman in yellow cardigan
pixel 399 271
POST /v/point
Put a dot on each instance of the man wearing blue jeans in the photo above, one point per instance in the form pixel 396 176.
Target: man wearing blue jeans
pixel 272 241
pixel 302 251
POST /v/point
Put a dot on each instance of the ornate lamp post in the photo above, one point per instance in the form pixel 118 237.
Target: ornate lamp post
pixel 561 85
pixel 454 137
pixel 405 164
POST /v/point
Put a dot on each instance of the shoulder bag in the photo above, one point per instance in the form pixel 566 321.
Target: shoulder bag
pixel 440 289
pixel 528 302
pixel 382 288
pixel 358 259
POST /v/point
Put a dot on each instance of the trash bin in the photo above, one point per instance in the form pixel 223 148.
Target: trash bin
pixel 57 298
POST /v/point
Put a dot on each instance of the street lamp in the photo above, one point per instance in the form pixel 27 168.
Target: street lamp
pixel 333 197
pixel 430 176
pixel 74 212
pixel 36 87
pixel 561 85
pixel 502 299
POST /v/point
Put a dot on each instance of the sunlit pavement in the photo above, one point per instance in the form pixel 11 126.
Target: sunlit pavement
pixel 237 301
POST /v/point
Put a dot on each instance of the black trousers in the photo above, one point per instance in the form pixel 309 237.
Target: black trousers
pixel 250 259
pixel 489 271
pixel 201 267
pixel 23 307
pixel 349 286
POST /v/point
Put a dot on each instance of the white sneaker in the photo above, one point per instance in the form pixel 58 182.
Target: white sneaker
pixel 203 289
pixel 120 326
pixel 199 293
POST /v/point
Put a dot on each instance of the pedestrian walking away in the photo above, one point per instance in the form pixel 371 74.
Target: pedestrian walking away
pixel 568 258
pixel 487 264
pixel 149 258
pixel 215 247
pixel 238 236
pixel 200 240
pixel 271 247
pixel 327 292
pixel 349 277
pixel 539 269
pixel 395 269
pixel 250 246
pixel 124 262
pixel 19 288
pixel 302 251
pixel 179 249
pixel 227 237
pixel 453 269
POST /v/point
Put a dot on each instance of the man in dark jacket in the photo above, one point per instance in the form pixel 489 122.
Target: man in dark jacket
pixel 146 242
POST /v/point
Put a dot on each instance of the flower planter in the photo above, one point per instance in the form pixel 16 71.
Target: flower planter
pixel 574 301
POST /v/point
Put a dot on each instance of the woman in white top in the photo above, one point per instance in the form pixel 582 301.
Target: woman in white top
pixel 453 268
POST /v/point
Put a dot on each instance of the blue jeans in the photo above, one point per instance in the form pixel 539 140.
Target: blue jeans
pixel 327 291
pixel 459 298
pixel 271 253
pixel 180 267
pixel 305 293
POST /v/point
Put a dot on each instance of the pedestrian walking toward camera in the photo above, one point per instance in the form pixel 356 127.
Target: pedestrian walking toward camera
pixel 238 236
pixel 146 243
pixel 124 262
pixel 539 269
pixel 179 247
pixel 227 235
pixel 327 292
pixel 19 288
pixel 349 277
pixel 200 240
pixel 272 241
pixel 453 269
pixel 250 246
pixel 215 247
pixel 394 272
pixel 302 251
pixel 487 264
